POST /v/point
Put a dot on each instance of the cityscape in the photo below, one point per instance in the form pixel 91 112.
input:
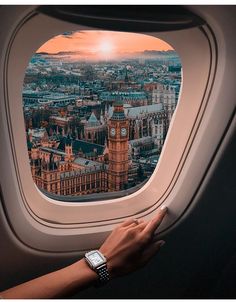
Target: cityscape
pixel 96 117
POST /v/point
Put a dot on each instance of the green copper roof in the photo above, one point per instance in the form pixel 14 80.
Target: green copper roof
pixel 118 115
pixel 118 102
pixel 93 120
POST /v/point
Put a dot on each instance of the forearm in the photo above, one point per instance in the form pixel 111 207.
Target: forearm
pixel 128 247
pixel 58 284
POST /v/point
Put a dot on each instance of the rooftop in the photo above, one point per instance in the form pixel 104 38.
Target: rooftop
pixel 80 145
pixel 86 162
pixel 134 112
pixel 51 150
pixel 92 121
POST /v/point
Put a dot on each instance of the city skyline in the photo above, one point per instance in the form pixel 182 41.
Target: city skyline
pixel 102 45
pixel 97 107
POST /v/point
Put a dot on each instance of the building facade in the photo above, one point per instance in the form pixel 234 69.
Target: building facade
pixel 66 173
pixel 94 164
pixel 94 130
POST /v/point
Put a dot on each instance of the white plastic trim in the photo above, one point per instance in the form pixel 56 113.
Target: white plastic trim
pixel 50 225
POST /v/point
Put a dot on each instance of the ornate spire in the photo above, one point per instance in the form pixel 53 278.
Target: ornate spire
pixel 68 141
pixel 126 76
pixel 118 112
pixel 92 121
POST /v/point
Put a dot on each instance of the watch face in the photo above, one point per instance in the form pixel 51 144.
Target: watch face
pixel 113 131
pixel 95 259
pixel 123 131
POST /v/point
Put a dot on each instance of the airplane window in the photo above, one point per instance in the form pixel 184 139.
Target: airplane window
pixel 87 108
pixel 97 107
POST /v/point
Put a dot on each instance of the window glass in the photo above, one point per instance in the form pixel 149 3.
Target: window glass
pixel 97 108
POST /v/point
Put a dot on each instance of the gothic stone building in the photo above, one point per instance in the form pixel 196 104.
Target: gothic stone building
pixel 65 172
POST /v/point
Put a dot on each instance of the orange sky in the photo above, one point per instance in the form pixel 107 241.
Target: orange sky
pixel 96 45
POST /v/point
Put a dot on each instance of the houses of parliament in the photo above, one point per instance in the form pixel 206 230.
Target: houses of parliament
pixel 65 173
pixel 83 166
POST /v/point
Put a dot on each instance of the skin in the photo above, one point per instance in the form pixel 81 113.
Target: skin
pixel 130 246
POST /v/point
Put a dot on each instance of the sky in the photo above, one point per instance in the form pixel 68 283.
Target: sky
pixel 99 45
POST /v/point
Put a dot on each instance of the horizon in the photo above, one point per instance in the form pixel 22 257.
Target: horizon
pixel 102 45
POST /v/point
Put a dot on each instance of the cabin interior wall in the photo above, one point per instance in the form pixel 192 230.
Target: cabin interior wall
pixel 198 260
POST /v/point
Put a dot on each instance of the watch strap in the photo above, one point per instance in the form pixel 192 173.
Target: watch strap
pixel 103 274
pixel 102 270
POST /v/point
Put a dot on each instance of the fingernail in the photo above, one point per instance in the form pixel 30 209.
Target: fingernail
pixel 164 208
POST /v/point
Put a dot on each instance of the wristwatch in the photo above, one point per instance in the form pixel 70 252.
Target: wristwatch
pixel 98 263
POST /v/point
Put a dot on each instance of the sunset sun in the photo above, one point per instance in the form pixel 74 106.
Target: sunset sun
pixel 102 45
pixel 106 48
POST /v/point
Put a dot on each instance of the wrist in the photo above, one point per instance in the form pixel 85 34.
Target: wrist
pixel 82 267
pixel 96 260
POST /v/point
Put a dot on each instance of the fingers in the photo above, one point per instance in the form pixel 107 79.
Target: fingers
pixel 132 222
pixel 127 222
pixel 147 228
pixel 155 222
pixel 152 249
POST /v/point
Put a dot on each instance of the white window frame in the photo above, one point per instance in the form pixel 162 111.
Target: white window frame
pixel 48 225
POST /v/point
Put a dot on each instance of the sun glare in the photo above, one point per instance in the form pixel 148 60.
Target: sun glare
pixel 106 48
pixel 102 45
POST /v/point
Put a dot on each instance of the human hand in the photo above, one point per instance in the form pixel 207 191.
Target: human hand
pixel 132 244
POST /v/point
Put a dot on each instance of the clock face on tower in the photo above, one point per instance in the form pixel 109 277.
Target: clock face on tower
pixel 123 131
pixel 113 132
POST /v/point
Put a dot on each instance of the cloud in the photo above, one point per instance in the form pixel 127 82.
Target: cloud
pixel 67 34
pixel 88 43
pixel 70 35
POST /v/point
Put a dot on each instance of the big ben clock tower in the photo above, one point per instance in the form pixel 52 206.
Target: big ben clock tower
pixel 118 128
